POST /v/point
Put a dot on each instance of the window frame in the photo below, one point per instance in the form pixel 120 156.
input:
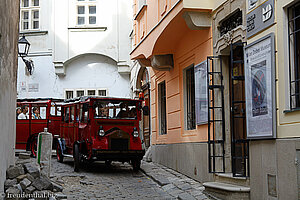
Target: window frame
pixel 86 4
pixel 68 90
pixel 294 62
pixel 189 99
pixel 162 108
pixel 31 8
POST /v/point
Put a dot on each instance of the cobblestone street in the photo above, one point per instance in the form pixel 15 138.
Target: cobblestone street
pixel 118 181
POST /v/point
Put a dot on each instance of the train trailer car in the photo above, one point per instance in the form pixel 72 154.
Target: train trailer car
pixel 101 128
pixel 32 116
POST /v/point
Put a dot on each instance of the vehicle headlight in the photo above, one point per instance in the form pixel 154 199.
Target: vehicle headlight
pixel 135 132
pixel 101 132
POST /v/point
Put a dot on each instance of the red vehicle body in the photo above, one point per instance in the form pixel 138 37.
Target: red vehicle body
pixel 101 128
pixel 28 128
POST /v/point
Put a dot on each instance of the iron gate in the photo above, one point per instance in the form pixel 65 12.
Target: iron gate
pixel 216 122
pixel 239 142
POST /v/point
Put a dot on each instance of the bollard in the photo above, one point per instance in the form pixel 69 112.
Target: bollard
pixel 44 152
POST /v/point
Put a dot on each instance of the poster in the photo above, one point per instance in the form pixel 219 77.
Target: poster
pixel 260 88
pixel 201 93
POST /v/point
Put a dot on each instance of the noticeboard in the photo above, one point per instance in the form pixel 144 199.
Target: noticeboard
pixel 260 88
pixel 201 93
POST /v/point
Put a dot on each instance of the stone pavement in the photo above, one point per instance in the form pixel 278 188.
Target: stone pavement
pixel 119 181
pixel 175 184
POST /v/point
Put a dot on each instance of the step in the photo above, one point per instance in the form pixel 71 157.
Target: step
pixel 230 179
pixel 225 191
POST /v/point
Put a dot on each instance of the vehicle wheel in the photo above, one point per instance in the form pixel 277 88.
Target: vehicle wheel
pixel 59 155
pixel 107 163
pixel 33 147
pixel 136 165
pixel 76 158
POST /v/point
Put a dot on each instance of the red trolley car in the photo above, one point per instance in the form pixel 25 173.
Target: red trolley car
pixel 101 128
pixel 33 115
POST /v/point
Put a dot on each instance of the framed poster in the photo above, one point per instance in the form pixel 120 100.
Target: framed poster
pixel 201 93
pixel 260 88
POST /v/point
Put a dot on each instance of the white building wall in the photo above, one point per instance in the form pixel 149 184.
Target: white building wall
pixel 95 72
pixel 67 56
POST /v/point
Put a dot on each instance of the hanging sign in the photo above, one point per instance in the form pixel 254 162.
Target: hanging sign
pixel 260 88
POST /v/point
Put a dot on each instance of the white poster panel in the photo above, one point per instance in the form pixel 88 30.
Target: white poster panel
pixel 201 93
pixel 260 85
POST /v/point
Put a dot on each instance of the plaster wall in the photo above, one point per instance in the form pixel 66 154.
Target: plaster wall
pixel 288 123
pixel 91 56
pixel 110 36
pixel 190 159
pixel 96 71
pixel 276 158
pixel 86 72
pixel 9 21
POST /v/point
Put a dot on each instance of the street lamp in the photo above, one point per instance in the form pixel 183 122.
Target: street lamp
pixel 23 52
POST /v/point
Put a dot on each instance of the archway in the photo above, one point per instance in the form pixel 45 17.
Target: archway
pixel 143 83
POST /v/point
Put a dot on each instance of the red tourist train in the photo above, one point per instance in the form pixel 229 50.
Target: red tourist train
pixel 101 128
pixel 33 115
pixel 86 128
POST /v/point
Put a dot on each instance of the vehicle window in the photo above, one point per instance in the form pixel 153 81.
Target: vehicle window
pixel 77 112
pixel 115 110
pixel 84 113
pixel 72 114
pixel 38 112
pixel 67 114
pixel 24 114
pixel 18 111
pixel 58 110
pixel 52 111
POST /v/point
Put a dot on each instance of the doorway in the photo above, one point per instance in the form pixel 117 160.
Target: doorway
pixel 145 86
pixel 239 142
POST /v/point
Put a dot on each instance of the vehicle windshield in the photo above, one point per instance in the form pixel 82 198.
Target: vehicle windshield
pixel 115 109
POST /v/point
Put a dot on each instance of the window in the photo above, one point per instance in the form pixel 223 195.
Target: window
pixel 294 51
pixel 190 98
pixel 38 112
pixel 162 108
pixel 55 110
pixel 86 12
pixel 84 109
pixel 115 109
pixel 30 15
pixel 69 94
pixel 72 113
pixel 80 93
pixel 67 115
pixel 102 93
pixel 91 92
pixel 23 112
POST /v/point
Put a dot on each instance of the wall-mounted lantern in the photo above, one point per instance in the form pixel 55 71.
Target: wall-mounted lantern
pixel 23 49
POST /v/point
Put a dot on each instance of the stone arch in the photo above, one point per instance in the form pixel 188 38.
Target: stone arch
pixel 70 60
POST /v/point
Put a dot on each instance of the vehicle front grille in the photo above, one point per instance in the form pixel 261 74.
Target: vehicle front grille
pixel 119 144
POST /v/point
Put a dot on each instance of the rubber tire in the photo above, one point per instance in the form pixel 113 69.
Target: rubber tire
pixel 33 147
pixel 136 165
pixel 108 163
pixel 76 158
pixel 59 155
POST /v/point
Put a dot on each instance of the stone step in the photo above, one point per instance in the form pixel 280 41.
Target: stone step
pixel 230 179
pixel 225 191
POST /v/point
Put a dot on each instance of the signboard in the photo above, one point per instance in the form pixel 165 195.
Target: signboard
pixel 252 4
pixel 201 93
pixel 33 87
pixel 22 86
pixel 260 88
pixel 260 18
